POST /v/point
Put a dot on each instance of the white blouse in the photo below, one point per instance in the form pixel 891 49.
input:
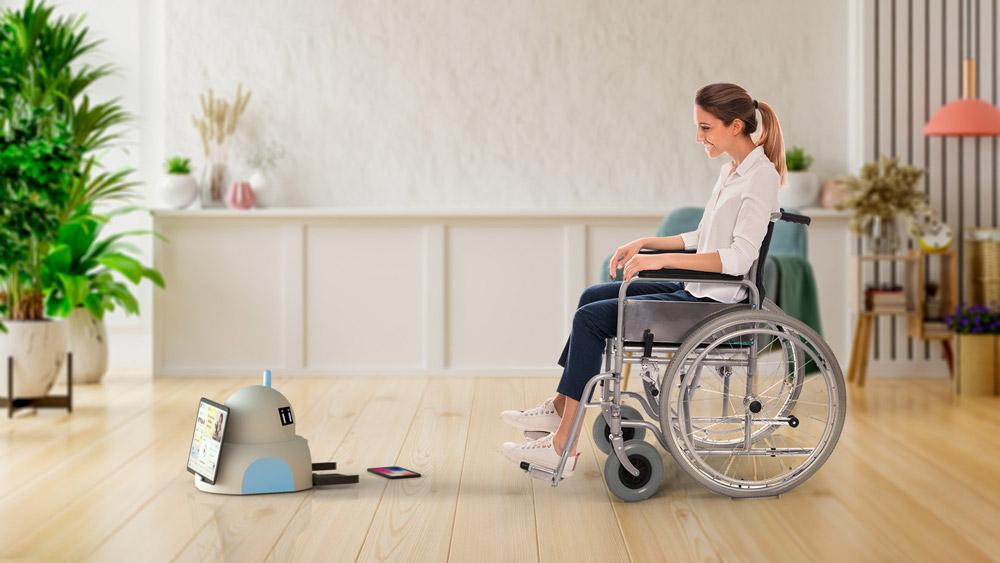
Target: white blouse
pixel 735 222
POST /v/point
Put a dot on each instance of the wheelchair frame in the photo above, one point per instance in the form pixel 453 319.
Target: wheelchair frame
pixel 615 356
pixel 619 352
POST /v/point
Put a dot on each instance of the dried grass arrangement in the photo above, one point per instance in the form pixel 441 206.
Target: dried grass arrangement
pixel 885 190
pixel 216 127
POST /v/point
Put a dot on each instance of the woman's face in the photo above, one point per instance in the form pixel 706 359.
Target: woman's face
pixel 711 133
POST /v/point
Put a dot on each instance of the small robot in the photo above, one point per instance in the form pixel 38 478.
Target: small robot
pixel 261 453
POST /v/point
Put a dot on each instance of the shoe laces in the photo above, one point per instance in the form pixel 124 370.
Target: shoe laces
pixel 545 408
pixel 543 442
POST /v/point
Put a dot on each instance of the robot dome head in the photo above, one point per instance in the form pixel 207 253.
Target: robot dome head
pixel 259 414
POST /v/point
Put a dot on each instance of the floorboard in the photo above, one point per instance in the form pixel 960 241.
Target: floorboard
pixel 913 477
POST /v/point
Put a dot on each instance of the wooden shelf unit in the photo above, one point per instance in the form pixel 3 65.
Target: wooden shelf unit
pixel 914 284
pixel 919 326
pixel 909 262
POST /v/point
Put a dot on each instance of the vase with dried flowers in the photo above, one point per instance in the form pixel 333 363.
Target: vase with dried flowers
pixel 216 127
pixel 883 192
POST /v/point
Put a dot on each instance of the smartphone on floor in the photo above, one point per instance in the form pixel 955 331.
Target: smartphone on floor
pixel 393 472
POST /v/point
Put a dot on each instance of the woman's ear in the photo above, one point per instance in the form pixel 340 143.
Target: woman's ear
pixel 736 127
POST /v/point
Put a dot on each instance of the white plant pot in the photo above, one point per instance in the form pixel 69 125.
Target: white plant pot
pixel 88 341
pixel 800 190
pixel 39 352
pixel 178 190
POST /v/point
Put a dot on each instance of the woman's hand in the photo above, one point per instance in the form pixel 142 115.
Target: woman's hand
pixel 643 262
pixel 623 254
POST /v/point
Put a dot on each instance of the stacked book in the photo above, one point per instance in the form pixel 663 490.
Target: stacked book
pixel 886 299
pixel 936 329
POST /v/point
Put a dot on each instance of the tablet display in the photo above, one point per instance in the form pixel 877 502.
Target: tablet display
pixel 206 442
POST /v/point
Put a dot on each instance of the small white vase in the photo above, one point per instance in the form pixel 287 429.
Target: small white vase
pixel 800 190
pixel 88 341
pixel 178 190
pixel 263 191
pixel 39 352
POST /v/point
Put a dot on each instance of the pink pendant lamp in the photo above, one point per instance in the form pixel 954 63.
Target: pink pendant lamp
pixel 967 117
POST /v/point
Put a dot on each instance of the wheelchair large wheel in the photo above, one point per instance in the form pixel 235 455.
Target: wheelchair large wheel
pixel 632 488
pixel 784 385
pixel 777 420
pixel 601 430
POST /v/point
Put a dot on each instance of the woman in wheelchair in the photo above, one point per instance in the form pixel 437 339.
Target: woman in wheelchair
pixel 728 241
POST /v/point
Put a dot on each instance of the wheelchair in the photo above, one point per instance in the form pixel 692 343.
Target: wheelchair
pixel 748 401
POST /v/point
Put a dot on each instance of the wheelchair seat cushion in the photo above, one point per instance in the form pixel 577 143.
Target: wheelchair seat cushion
pixel 668 321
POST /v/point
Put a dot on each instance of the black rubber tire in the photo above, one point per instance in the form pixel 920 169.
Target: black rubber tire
pixel 601 430
pixel 623 484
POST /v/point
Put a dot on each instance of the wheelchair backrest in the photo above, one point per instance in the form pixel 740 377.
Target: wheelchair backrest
pixel 756 272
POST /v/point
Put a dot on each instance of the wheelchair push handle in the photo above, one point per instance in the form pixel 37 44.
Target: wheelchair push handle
pixel 792 217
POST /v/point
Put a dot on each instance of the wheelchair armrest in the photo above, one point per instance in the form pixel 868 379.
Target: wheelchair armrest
pixel 794 218
pixel 673 273
pixel 654 251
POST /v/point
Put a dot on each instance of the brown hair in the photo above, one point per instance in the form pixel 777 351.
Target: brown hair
pixel 729 102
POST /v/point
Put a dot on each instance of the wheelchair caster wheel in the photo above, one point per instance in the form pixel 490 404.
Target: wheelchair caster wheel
pixel 793 422
pixel 632 488
pixel 601 429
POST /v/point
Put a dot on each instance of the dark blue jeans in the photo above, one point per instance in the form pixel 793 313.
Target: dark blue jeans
pixel 596 320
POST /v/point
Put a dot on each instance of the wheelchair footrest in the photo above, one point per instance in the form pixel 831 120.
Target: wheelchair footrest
pixel 539 472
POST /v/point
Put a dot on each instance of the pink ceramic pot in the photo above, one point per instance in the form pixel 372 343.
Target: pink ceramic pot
pixel 240 196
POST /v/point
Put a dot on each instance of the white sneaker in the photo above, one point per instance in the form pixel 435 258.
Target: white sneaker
pixel 543 418
pixel 538 452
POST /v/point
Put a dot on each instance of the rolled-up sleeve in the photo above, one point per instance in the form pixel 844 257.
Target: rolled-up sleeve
pixel 690 239
pixel 756 205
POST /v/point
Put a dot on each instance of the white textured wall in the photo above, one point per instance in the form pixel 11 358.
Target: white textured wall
pixel 520 104
pixel 466 104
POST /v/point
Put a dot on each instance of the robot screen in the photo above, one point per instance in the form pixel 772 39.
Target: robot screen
pixel 206 442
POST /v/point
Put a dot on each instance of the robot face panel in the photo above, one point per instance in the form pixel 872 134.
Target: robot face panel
pixel 259 415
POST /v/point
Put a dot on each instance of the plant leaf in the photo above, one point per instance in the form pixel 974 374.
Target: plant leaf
pixel 76 288
pixel 59 259
pixel 127 266
pixel 154 276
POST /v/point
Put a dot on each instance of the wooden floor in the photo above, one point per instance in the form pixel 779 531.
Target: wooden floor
pixel 916 476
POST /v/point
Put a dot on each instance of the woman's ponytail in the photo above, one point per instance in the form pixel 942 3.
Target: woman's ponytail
pixel 771 139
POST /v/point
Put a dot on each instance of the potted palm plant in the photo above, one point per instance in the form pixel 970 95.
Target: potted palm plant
pixel 79 272
pixel 52 177
pixel 36 166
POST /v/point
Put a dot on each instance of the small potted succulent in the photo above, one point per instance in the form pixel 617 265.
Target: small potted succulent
pixel 179 188
pixel 801 185
pixel 977 361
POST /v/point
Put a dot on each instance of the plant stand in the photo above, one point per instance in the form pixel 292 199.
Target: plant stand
pixel 46 402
